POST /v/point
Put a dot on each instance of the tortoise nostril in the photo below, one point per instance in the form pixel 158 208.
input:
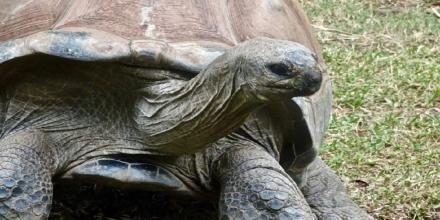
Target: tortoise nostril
pixel 279 69
pixel 314 77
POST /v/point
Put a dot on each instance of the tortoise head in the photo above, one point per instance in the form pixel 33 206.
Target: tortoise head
pixel 277 69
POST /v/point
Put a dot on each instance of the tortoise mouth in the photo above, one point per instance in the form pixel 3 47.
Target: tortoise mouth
pixel 298 85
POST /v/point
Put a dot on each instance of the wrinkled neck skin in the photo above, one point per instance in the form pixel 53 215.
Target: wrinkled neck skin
pixel 198 112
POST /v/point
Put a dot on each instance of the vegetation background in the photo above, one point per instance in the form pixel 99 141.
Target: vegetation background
pixel 384 138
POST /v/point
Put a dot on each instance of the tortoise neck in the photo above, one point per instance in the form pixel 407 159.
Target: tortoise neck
pixel 196 112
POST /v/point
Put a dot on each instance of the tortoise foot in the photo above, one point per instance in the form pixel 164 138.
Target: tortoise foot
pixel 25 180
pixel 256 187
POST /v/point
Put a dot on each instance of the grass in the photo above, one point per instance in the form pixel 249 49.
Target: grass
pixel 384 138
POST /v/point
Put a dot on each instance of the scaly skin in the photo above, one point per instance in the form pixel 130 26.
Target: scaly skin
pixel 255 186
pixel 60 113
pixel 26 168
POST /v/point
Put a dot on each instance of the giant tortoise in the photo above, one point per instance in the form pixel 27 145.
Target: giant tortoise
pixel 203 98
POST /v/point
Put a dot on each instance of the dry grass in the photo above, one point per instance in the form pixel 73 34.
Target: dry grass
pixel 384 140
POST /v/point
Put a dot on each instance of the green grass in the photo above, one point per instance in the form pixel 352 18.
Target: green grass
pixel 384 138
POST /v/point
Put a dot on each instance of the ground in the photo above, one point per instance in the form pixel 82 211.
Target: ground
pixel 384 138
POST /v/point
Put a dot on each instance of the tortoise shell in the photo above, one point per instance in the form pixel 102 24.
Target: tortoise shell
pixel 174 34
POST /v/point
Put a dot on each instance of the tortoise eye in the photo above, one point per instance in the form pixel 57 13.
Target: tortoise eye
pixel 279 69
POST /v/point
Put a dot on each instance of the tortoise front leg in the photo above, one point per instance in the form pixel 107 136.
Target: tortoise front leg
pixel 326 194
pixel 25 177
pixel 255 186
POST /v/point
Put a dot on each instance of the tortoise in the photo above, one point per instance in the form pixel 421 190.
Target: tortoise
pixel 221 99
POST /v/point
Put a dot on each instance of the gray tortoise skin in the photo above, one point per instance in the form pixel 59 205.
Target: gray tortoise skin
pixel 194 101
